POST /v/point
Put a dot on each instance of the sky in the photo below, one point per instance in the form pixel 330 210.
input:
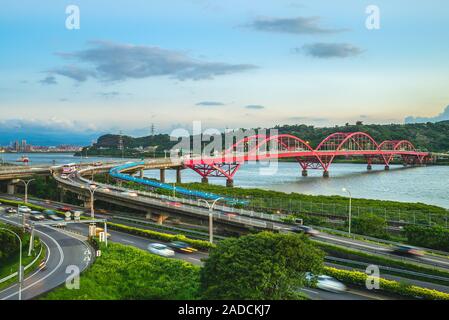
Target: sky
pixel 228 64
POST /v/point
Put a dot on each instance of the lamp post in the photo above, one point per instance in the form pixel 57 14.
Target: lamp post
pixel 350 208
pixel 20 273
pixel 92 189
pixel 26 183
pixel 211 219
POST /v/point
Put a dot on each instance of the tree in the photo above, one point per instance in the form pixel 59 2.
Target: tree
pixel 370 225
pixel 259 266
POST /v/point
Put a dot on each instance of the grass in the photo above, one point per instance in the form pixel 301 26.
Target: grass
pixel 124 272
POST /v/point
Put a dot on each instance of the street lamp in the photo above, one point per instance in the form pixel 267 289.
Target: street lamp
pixel 211 219
pixel 20 273
pixel 92 189
pixel 350 208
pixel 26 183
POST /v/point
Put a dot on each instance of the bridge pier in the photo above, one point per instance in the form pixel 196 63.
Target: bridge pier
pixel 62 193
pixel 162 175
pixel 11 188
pixel 178 175
pixel 141 173
pixel 204 180
pixel 229 183
pixel 369 167
pixel 304 173
pixel 387 167
pixel 325 174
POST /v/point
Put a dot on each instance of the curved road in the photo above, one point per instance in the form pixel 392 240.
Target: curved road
pixel 63 250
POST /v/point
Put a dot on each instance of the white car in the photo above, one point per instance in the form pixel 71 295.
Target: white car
pixel 161 250
pixel 326 283
pixel 24 209
pixel 129 194
pixel 64 176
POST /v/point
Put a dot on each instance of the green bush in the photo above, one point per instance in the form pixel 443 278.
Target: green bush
pixel 359 278
pixel 370 225
pixel 198 244
pixel 124 273
pixel 428 237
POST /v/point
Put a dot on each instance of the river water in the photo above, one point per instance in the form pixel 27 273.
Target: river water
pixel 413 184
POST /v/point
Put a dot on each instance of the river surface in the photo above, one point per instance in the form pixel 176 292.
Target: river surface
pixel 417 184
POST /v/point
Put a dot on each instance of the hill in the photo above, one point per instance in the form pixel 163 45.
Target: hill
pixel 425 136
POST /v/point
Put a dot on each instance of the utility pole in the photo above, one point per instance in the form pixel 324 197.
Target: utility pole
pixel 120 143
pixel 350 209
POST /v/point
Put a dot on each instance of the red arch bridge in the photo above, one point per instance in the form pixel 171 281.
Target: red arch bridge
pixel 262 147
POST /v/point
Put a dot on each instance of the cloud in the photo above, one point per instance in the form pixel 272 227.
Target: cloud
pixel 49 80
pixel 443 116
pixel 209 103
pixel 73 72
pixel 330 50
pixel 298 25
pixel 254 107
pixel 313 119
pixel 109 61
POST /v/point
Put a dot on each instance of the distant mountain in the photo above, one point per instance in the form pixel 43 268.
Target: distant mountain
pixel 425 136
pixel 48 133
pixel 441 117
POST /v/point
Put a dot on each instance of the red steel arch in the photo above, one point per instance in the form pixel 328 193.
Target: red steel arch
pixel 287 145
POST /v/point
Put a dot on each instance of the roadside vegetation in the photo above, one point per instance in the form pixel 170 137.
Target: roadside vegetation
pixel 124 273
pixel 263 266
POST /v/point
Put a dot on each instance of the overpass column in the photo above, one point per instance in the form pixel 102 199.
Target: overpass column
pixel 178 175
pixel 229 183
pixel 11 188
pixel 141 173
pixel 325 174
pixel 162 175
pixel 62 195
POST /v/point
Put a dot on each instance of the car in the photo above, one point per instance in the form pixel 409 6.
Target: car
pixel 160 249
pixel 129 193
pixel 175 204
pixel 182 247
pixel 98 164
pixel 230 214
pixel 11 210
pixel 55 217
pixel 306 230
pixel 64 176
pixel 66 208
pixel 36 217
pixel 101 211
pixel 49 212
pixel 325 282
pixel 24 209
pixel 408 250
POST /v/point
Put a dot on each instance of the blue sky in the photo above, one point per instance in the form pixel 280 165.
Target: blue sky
pixel 133 63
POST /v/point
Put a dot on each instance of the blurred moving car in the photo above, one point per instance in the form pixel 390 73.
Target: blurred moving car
pixel 24 209
pixel 182 247
pixel 11 210
pixel 37 216
pixel 129 193
pixel 175 204
pixel 324 282
pixel 161 250
pixel 408 251
pixel 306 230
pixel 49 212
pixel 64 176
pixel 230 214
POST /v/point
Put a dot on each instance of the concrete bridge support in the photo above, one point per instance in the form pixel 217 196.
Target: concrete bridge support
pixel 162 175
pixel 11 188
pixel 325 174
pixel 62 194
pixel 229 183
pixel 387 167
pixel 178 175
pixel 141 173
pixel 369 167
pixel 204 180
pixel 304 173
